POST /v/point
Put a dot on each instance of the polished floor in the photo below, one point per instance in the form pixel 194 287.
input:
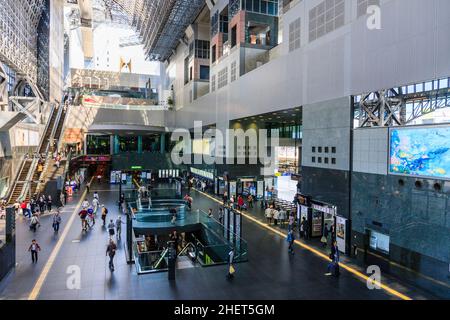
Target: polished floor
pixel 271 273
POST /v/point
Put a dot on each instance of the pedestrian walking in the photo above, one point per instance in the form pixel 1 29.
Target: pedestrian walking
pixel 104 213
pixel 111 252
pixel 34 222
pixel 49 204
pixel 290 239
pixel 119 223
pixel 111 228
pixel 83 216
pixel 333 266
pixel 34 248
pixel 56 221
pixel 88 187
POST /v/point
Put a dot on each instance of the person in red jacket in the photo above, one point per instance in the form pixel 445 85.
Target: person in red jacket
pixel 240 202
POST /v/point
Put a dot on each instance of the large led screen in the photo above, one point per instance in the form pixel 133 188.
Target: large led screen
pixel 420 151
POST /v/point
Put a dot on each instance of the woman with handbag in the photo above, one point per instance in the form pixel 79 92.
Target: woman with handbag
pixel 231 269
pixel 324 238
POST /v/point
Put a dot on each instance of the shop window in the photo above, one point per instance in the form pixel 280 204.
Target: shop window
pixel 98 145
pixel 379 241
pixel 204 72
pixel 259 34
pixel 233 36
pixel 151 143
pixel 128 144
pixel 213 53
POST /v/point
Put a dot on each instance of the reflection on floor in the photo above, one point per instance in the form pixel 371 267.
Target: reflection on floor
pixel 271 272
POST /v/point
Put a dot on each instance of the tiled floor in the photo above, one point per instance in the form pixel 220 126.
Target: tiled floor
pixel 271 273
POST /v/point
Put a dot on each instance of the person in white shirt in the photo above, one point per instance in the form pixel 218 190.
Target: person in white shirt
pixel 85 204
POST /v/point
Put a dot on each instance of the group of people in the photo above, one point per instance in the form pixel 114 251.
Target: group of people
pixel 276 215
pixel 238 203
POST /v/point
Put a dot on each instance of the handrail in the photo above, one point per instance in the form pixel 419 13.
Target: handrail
pixel 185 248
pixel 28 179
pixel 14 182
pixel 55 126
pixel 42 140
pixel 163 255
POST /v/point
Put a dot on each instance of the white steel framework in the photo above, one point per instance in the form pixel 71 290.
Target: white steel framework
pixel 18 37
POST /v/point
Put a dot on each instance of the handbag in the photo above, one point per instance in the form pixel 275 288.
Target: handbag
pixel 231 270
pixel 323 239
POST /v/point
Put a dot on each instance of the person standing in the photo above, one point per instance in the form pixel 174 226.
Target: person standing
pixel 96 195
pixel 65 196
pixel 324 238
pixel 240 202
pixel 111 252
pixel 276 216
pixel 88 187
pixel 250 201
pixel 210 213
pixel 34 248
pixel 225 198
pixel 56 221
pixel 291 221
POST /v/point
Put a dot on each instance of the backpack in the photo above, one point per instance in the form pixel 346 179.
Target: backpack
pixel 106 211
pixel 34 220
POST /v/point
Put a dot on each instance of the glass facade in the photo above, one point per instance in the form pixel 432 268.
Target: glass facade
pixel 151 144
pixel 269 7
pixel 98 145
pixel 202 49
pixel 128 144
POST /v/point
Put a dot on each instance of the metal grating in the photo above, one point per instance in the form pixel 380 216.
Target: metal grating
pixel 18 37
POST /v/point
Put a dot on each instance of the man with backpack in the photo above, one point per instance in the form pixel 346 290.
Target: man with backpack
pixel 104 213
pixel 56 221
pixel 34 223
pixel 333 266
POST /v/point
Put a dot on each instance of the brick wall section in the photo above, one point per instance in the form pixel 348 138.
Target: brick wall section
pixel 238 21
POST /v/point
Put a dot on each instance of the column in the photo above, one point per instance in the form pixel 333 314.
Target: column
pixel 139 144
pixel 162 141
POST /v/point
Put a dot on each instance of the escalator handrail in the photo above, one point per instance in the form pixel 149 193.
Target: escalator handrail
pixel 16 178
pixel 187 246
pixel 163 255
pixel 42 140
pixel 28 179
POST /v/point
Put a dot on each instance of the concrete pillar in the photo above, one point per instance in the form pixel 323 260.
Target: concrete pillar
pixel 139 144
pixel 162 141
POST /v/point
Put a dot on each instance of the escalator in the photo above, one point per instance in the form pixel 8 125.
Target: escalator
pixel 20 181
pixel 48 132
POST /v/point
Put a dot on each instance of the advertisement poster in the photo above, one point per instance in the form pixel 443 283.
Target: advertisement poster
pixel 260 189
pixel 341 233
pixel 232 188
pixel 422 152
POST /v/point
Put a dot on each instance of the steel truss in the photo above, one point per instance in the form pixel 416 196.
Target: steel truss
pixel 3 88
pixel 392 108
pixel 28 99
pixel 18 37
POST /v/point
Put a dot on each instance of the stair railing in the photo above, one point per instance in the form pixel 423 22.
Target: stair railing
pixel 15 180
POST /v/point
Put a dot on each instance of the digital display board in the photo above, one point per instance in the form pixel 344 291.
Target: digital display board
pixel 420 151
